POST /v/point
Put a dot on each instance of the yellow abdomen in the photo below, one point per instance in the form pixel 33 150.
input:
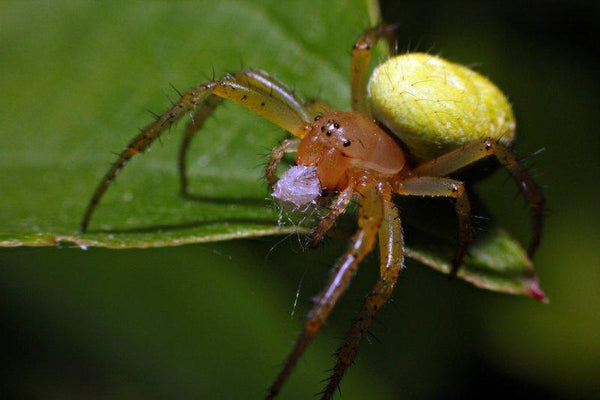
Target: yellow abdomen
pixel 434 105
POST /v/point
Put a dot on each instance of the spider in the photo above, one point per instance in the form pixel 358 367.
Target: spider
pixel 418 119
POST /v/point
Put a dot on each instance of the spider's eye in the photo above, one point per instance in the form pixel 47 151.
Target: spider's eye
pixel 328 133
pixel 347 143
pixel 336 125
pixel 318 117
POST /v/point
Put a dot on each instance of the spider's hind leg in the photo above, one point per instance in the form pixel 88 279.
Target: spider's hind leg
pixel 472 152
pixel 445 187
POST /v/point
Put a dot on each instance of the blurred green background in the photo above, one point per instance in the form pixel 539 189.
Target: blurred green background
pixel 215 320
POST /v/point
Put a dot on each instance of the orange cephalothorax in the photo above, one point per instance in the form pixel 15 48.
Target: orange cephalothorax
pixel 339 140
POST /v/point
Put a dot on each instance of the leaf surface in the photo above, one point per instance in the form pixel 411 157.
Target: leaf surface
pixel 77 87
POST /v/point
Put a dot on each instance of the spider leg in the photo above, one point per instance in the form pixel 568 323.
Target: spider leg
pixel 370 215
pixel 316 107
pixel 285 105
pixel 361 58
pixel 196 122
pixel 438 186
pixel 254 90
pixel 313 107
pixel 286 146
pixel 391 256
pixel 471 152
pixel 337 208
pixel 261 81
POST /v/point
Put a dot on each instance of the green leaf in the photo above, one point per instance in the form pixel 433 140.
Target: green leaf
pixel 497 262
pixel 79 90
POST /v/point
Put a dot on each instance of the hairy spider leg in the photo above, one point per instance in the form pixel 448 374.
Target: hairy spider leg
pixel 286 146
pixel 260 79
pixel 361 59
pixel 196 122
pixel 248 88
pixel 317 107
pixel 276 89
pixel 391 255
pixel 472 152
pixel 336 209
pixel 369 221
pixel 446 187
pixel 314 107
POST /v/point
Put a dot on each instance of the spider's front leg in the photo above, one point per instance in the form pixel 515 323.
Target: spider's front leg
pixel 196 122
pixel 446 187
pixel 391 254
pixel 254 90
pixel 314 108
pixel 262 82
pixel 370 216
pixel 472 152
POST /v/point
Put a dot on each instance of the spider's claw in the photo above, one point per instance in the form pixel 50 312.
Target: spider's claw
pixel 453 273
pixel 456 264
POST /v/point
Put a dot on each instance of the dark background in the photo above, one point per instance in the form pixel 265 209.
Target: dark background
pixel 119 324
